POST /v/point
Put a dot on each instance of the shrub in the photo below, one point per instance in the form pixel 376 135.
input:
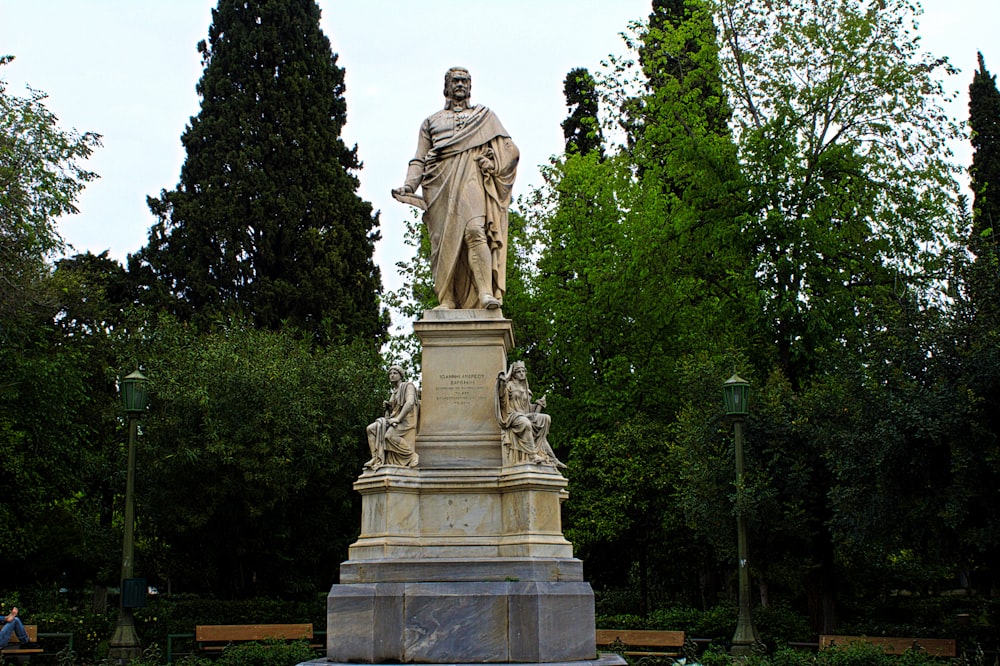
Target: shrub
pixel 855 654
pixel 717 622
pixel 266 653
pixel 622 621
pixel 778 625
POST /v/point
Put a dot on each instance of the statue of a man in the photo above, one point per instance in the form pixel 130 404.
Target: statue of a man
pixel 391 437
pixel 465 165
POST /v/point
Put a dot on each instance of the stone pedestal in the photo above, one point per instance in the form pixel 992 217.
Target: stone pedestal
pixel 461 560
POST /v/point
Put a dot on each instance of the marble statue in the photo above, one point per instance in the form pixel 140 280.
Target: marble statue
pixel 465 165
pixel 391 437
pixel 524 428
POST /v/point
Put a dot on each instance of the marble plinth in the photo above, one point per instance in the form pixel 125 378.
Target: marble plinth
pixel 468 512
pixel 443 623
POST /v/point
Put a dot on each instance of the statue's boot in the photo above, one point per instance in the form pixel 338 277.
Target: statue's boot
pixel 482 268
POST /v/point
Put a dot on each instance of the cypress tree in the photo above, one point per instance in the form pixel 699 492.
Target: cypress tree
pixel 984 119
pixel 581 129
pixel 265 223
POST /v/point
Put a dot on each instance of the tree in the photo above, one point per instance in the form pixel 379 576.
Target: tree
pixel 247 456
pixel 265 222
pixel 46 406
pixel 844 143
pixel 984 120
pixel 638 265
pixel 41 176
pixel 851 196
pixel 976 446
pixel 582 129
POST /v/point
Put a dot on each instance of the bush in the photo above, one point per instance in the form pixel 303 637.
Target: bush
pixel 622 621
pixel 266 653
pixel 718 622
pixel 789 657
pixel 855 654
pixel 779 625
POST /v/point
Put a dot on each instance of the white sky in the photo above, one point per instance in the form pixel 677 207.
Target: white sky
pixel 127 69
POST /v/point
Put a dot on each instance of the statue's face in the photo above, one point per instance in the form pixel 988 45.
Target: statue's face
pixel 459 86
pixel 520 372
pixel 394 375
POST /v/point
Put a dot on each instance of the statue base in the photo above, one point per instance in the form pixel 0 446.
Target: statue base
pixel 452 622
pixel 462 560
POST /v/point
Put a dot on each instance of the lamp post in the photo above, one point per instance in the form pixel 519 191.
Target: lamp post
pixel 735 395
pixel 124 645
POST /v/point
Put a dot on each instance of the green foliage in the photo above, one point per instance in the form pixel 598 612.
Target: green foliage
pixel 582 129
pixel 265 223
pixel 415 296
pixel 717 622
pixel 41 176
pixel 248 454
pixel 266 653
pixel 52 418
pixel 844 145
pixel 855 654
pixel 716 655
pixel 984 121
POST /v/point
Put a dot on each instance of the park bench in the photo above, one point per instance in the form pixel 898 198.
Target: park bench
pixel 643 643
pixel 216 637
pixel 11 649
pixel 935 647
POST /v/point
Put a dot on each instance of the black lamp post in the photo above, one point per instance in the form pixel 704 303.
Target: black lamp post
pixel 124 645
pixel 735 397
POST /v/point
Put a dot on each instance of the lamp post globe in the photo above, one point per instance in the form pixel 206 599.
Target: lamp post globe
pixel 135 393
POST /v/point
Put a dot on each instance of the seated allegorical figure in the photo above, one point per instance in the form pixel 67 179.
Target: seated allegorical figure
pixel 524 428
pixel 392 436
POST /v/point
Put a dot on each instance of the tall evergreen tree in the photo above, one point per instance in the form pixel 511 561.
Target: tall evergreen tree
pixel 265 223
pixel 582 129
pixel 976 474
pixel 984 119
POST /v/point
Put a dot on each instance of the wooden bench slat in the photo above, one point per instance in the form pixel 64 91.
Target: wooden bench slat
pixel 32 631
pixel 252 632
pixel 936 647
pixel 641 637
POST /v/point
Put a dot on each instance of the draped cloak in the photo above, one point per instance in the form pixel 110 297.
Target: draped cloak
pixel 456 191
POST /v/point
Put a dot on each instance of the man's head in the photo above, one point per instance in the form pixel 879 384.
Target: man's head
pixel 457 84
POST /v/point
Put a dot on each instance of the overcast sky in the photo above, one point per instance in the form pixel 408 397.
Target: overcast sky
pixel 127 69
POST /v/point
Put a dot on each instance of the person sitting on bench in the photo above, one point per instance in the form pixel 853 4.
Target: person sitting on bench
pixel 12 624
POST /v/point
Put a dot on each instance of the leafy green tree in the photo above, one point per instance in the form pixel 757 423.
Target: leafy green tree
pixel 52 532
pixel 41 176
pixel 638 263
pixel 265 223
pixel 843 141
pixel 247 457
pixel 851 196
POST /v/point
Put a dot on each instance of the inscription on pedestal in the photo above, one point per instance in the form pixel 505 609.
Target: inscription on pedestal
pixel 462 390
